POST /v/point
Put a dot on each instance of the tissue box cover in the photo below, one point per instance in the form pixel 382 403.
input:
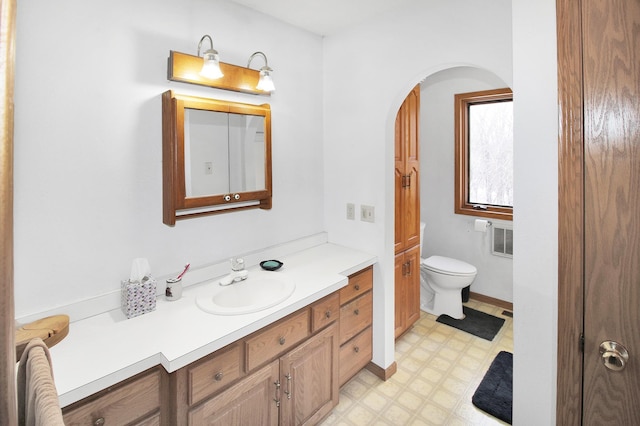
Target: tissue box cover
pixel 138 298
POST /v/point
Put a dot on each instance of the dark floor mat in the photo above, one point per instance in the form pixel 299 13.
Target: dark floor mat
pixel 475 322
pixel 495 392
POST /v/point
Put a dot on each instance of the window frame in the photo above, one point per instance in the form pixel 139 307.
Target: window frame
pixel 462 101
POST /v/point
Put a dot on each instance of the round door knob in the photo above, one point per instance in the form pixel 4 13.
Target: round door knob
pixel 281 341
pixel 614 355
pixel 218 376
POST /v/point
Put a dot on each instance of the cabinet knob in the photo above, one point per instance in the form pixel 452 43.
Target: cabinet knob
pixel 357 311
pixel 99 421
pixel 357 287
pixel 218 376
pixel 327 314
pixel 281 341
pixel 356 349
pixel 236 196
pixel 227 197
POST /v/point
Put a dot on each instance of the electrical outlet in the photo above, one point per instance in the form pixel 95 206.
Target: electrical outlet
pixel 351 211
pixel 367 214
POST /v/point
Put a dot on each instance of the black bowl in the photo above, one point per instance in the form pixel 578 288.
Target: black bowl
pixel 271 265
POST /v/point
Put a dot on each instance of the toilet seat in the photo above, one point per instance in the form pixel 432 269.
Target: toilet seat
pixel 448 266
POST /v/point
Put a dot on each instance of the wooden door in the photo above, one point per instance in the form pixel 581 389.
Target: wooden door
pixel 309 379
pixel 611 72
pixel 249 402
pixel 407 173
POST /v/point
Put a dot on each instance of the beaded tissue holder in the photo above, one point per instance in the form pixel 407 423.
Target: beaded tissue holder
pixel 138 297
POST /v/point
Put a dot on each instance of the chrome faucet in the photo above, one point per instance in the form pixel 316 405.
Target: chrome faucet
pixel 238 273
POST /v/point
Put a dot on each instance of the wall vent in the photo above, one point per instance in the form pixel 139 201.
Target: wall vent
pixel 502 241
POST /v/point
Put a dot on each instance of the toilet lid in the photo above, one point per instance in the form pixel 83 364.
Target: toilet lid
pixel 449 266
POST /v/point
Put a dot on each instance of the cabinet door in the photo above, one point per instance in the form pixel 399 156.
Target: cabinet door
pixel 407 289
pixel 412 285
pixel 400 295
pixel 309 379
pixel 252 401
pixel 407 173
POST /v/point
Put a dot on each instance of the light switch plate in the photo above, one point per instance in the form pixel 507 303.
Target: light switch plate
pixel 367 214
pixel 351 211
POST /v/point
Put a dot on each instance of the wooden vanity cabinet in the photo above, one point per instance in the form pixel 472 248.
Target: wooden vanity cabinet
pixel 287 373
pixel 136 401
pixel 356 316
pixel 283 374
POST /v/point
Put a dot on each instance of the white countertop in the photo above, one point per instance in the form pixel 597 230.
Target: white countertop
pixel 107 348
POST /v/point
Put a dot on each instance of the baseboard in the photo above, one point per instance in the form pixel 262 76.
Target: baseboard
pixel 383 373
pixel 491 300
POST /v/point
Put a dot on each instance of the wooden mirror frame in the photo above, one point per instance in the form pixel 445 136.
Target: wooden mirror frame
pixel 176 204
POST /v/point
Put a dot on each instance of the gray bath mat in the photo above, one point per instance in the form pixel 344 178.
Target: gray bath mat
pixel 475 322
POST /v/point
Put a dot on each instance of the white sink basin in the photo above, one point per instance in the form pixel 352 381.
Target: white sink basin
pixel 261 290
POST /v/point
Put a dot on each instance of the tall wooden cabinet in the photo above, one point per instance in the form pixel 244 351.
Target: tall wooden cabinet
pixel 407 213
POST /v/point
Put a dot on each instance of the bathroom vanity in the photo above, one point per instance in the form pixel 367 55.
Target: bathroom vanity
pixel 281 366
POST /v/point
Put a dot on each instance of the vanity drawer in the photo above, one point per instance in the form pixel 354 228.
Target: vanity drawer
pixel 359 283
pixel 213 374
pixel 132 401
pixel 325 311
pixel 275 339
pixel 355 355
pixel 355 316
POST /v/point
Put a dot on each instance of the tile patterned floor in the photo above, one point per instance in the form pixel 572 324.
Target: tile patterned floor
pixel 439 369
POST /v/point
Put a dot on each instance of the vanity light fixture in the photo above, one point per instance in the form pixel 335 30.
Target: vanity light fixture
pixel 211 65
pixel 266 82
pixel 187 68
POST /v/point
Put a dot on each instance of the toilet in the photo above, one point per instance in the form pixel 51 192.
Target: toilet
pixel 441 282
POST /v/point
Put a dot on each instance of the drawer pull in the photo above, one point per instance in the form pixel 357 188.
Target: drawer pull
pixel 327 314
pixel 218 376
pixel 357 287
pixel 356 349
pixel 99 421
pixel 281 341
pixel 357 311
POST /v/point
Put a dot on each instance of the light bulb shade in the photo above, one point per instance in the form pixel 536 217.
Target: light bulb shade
pixel 211 65
pixel 266 83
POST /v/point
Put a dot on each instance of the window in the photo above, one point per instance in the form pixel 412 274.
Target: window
pixel 484 153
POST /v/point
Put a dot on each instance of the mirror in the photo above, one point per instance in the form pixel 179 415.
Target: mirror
pixel 216 156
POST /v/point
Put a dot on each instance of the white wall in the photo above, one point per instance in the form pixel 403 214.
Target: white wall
pixel 446 233
pixel 368 73
pixel 535 264
pixel 88 142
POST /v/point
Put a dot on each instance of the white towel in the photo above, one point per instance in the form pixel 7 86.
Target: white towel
pixel 38 403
